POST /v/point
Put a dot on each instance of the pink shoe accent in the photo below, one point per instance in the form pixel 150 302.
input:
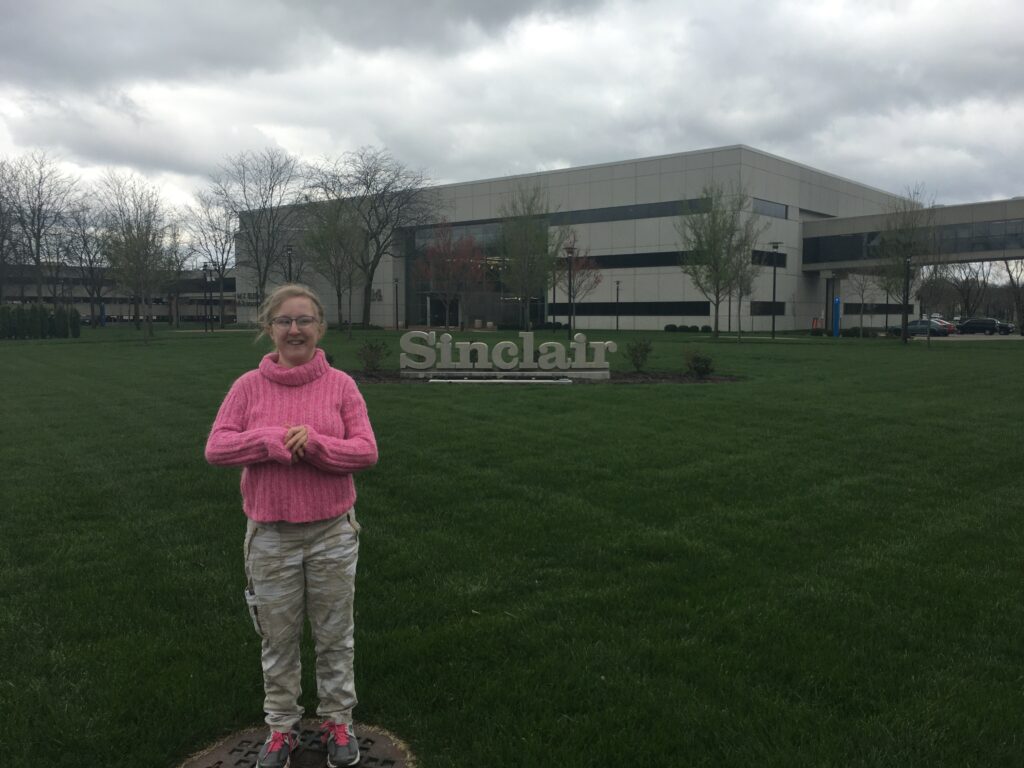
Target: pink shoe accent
pixel 279 740
pixel 338 730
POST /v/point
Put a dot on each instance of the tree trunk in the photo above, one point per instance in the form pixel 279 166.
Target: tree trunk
pixel 341 320
pixel 739 313
pixel 367 295
pixel 221 313
pixel 350 313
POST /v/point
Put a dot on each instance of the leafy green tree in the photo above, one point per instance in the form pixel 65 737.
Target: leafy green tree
pixel 528 247
pixel 716 243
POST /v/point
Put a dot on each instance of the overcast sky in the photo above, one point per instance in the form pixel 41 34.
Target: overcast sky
pixel 891 94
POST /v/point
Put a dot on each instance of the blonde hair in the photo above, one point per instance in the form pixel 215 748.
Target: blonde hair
pixel 279 296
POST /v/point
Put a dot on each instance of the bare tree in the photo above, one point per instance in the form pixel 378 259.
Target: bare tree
pixel 908 235
pixel 970 280
pixel 450 267
pixel 87 257
pixel 8 246
pixel 576 273
pixel 260 190
pixel 716 242
pixel 337 244
pixel 43 194
pixel 211 231
pixel 177 253
pixel 862 283
pixel 136 229
pixel 1015 275
pixel 386 196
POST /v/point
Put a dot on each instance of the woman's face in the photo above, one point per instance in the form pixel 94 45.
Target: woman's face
pixel 295 344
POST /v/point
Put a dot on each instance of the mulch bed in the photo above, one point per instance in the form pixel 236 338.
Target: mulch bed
pixel 666 377
pixel 618 377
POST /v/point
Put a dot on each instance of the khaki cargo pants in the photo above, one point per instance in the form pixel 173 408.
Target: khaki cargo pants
pixel 297 569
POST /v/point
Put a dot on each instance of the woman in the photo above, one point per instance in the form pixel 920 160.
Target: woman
pixel 299 429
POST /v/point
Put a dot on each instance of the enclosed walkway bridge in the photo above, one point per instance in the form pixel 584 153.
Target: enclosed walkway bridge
pixel 992 231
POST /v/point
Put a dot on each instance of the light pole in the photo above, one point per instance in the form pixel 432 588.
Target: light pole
pixel 618 284
pixel 570 254
pixel 288 255
pixel 775 263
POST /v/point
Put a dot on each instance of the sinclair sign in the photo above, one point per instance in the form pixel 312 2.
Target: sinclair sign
pixel 427 354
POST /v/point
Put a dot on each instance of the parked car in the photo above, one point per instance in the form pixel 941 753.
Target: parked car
pixel 986 325
pixel 950 328
pixel 926 328
pixel 1006 328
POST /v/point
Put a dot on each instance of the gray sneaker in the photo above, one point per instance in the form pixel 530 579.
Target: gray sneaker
pixel 341 743
pixel 277 750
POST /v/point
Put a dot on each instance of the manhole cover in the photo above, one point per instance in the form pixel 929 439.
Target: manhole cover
pixel 377 749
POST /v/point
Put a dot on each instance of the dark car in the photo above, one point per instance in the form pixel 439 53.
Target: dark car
pixel 926 328
pixel 986 325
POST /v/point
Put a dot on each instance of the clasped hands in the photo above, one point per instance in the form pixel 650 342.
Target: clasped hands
pixel 295 440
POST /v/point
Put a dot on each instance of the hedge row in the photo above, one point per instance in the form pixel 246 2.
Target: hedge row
pixel 37 321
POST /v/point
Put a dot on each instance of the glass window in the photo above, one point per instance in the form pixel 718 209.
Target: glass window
pixel 768 208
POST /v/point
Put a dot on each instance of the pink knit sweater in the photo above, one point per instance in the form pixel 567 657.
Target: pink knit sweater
pixel 250 429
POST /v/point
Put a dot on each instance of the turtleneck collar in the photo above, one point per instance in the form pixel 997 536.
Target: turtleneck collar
pixel 297 376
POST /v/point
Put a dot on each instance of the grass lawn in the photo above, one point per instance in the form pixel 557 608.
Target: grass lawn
pixel 816 565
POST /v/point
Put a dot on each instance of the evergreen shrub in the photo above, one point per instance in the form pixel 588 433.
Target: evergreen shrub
pixel 698 364
pixel 371 355
pixel 638 351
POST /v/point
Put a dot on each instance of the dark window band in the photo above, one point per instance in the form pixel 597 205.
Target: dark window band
pixel 637 308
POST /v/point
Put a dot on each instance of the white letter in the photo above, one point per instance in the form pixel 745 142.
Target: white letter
pixel 465 350
pixel 527 361
pixel 599 347
pixel 552 355
pixel 579 351
pixel 499 350
pixel 445 346
pixel 414 355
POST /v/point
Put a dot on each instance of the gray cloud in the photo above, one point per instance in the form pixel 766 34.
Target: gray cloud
pixel 55 42
pixel 883 92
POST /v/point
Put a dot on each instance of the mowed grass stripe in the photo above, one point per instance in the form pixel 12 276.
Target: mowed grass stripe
pixel 818 564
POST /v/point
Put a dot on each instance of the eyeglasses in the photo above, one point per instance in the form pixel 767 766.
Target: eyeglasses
pixel 284 322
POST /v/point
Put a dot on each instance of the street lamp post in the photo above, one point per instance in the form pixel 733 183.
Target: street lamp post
pixel 288 250
pixel 570 255
pixel 775 263
pixel 618 284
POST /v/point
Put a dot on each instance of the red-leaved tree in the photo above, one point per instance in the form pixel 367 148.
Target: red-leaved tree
pixel 450 267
